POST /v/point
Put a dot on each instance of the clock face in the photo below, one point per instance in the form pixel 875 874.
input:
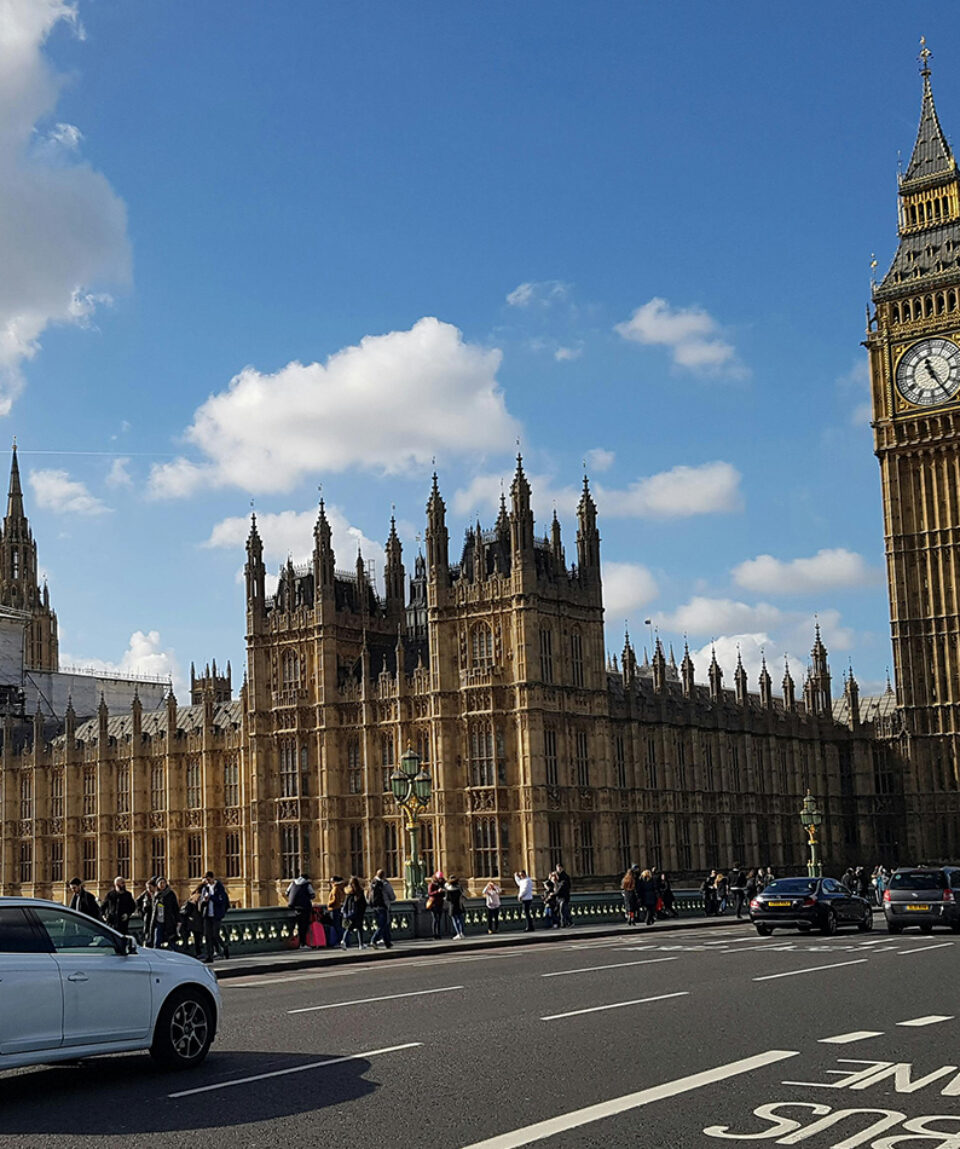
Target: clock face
pixel 929 372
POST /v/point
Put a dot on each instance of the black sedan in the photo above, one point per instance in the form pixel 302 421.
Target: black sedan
pixel 803 903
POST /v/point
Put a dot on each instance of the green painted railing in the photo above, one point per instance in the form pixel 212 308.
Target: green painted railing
pixel 273 928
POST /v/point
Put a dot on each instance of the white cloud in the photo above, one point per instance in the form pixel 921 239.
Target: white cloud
pixel 62 227
pixel 681 492
pixel 626 587
pixel 565 354
pixel 691 334
pixel 711 616
pixel 56 491
pixel 289 534
pixel 389 404
pixel 855 383
pixel 144 655
pixel 826 570
pixel 599 459
pixel 119 474
pixel 752 648
pixel 541 293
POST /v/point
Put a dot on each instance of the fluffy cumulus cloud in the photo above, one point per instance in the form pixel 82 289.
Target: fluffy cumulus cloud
pixel 627 587
pixel 389 404
pixel 538 294
pixel 289 534
pixel 681 492
pixel 691 334
pixel 826 570
pixel 711 616
pixel 54 490
pixel 119 473
pixel 144 655
pixel 600 459
pixel 62 228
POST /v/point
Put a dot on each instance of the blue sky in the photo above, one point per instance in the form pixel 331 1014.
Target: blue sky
pixel 256 248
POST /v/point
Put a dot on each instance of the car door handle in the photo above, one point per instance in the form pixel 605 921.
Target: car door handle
pixel 78 977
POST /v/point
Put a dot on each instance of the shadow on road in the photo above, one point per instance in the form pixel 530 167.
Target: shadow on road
pixel 126 1094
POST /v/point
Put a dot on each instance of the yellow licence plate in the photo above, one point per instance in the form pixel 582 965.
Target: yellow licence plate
pixel 918 907
pixel 789 903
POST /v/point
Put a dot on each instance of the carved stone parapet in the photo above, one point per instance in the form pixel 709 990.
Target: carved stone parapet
pixel 158 820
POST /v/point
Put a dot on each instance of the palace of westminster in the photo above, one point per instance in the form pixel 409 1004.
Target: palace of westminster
pixel 494 669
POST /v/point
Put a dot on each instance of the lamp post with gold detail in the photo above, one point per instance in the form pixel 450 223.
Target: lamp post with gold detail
pixel 811 818
pixel 412 786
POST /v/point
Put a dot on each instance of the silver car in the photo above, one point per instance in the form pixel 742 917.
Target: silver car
pixel 72 987
pixel 923 896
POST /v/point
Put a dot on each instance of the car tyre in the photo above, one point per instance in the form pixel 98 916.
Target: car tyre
pixel 926 928
pixel 829 924
pixel 804 927
pixel 894 929
pixel 867 924
pixel 955 926
pixel 184 1029
pixel 763 929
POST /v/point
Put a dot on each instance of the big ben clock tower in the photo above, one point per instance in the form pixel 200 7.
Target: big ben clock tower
pixel 914 347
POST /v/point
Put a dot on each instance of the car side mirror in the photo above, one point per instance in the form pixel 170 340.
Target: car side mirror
pixel 127 946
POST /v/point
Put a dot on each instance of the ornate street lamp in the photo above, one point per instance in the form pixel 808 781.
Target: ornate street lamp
pixel 810 818
pixel 411 786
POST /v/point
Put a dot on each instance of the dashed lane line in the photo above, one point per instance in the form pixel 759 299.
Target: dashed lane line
pixel 556 1125
pixel 368 1000
pixel 926 949
pixel 296 1069
pixel 849 1038
pixel 811 969
pixel 612 965
pixel 614 1005
pixel 931 1019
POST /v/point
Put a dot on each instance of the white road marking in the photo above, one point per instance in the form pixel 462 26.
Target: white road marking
pixel 926 949
pixel 848 1038
pixel 296 1069
pixel 931 1019
pixel 875 942
pixel 613 965
pixel 253 982
pixel 578 1117
pixel 367 1000
pixel 615 1005
pixel 811 969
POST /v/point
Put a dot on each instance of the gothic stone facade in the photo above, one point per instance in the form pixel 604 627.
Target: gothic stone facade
pixel 494 670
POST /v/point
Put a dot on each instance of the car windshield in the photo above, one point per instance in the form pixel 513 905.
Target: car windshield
pixel 791 886
pixel 918 880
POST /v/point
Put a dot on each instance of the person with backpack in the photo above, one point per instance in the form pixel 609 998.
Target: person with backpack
pixel 300 895
pixel 381 898
pixel 454 896
pixel 354 911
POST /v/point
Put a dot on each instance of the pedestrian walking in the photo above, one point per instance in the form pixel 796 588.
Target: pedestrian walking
pixel 709 891
pixel 213 908
pixel 750 885
pixel 564 887
pixel 300 895
pixel 491 895
pixel 190 927
pixel 381 898
pixel 166 911
pixel 83 901
pixel 145 904
pixel 628 888
pixel 338 891
pixel 647 896
pixel 551 915
pixel 118 907
pixel 525 897
pixel 354 911
pixel 454 896
pixel 435 900
pixel 722 886
pixel 665 891
pixel 738 889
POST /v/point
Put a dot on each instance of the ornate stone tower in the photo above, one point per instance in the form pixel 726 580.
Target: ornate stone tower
pixel 913 341
pixel 19 587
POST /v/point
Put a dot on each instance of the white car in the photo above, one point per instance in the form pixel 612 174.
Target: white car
pixel 72 987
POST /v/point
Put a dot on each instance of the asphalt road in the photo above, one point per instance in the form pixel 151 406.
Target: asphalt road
pixel 697 1038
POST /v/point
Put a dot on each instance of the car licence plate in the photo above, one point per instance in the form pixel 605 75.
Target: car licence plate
pixel 788 904
pixel 927 908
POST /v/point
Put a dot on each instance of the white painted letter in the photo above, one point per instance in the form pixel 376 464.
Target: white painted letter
pixel 766 1113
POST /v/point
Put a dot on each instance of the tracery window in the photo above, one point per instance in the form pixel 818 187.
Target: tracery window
pixel 486 854
pixel 26 795
pixel 123 788
pixel 482 762
pixel 576 658
pixel 231 781
pixel 89 791
pixel 481 645
pixel 194 790
pixel 290 668
pixel 289 774
pixel 354 768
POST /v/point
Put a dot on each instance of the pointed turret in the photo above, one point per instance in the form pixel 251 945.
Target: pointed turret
pixel 659 668
pixel 15 491
pixel 588 537
pixel 715 675
pixel 394 576
pixel 766 684
pixel 931 152
pixel 789 688
pixel 740 681
pixel 254 571
pixel 437 538
pixel 819 691
pixel 556 542
pixel 521 517
pixel 851 693
pixel 687 672
pixel 103 718
pixel 323 556
pixel 136 717
pixel 628 661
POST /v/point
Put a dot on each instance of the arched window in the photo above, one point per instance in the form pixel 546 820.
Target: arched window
pixel 941 303
pixel 951 301
pixel 291 668
pixel 481 645
pixel 482 764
